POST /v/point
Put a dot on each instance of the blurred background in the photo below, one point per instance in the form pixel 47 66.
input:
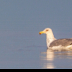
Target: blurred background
pixel 20 23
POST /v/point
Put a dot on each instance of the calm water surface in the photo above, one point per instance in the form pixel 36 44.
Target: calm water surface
pixel 57 60
pixel 20 51
pixel 35 58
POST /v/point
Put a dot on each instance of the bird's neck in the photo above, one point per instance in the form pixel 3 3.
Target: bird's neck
pixel 50 38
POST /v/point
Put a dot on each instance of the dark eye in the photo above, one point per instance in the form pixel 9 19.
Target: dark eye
pixel 46 30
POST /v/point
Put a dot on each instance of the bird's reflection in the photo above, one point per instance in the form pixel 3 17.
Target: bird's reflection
pixel 50 57
pixel 49 60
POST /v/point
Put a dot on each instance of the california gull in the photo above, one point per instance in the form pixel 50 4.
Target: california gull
pixel 56 44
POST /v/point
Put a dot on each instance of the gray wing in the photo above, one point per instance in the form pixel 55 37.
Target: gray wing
pixel 63 42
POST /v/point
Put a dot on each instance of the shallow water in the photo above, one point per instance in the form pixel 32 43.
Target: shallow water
pixel 57 60
pixel 35 58
pixel 38 58
pixel 18 51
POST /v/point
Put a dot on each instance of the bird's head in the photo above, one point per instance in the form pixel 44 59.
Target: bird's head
pixel 45 31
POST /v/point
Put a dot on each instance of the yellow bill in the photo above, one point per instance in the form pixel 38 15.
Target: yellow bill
pixel 41 32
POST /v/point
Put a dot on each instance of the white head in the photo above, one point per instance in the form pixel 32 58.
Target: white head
pixel 49 35
pixel 46 31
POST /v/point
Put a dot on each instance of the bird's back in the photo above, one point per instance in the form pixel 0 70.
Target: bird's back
pixel 62 42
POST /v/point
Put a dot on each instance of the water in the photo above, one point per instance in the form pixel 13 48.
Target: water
pixel 19 50
pixel 35 58
pixel 57 60
pixel 21 47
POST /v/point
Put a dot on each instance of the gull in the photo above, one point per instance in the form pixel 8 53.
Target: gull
pixel 56 44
